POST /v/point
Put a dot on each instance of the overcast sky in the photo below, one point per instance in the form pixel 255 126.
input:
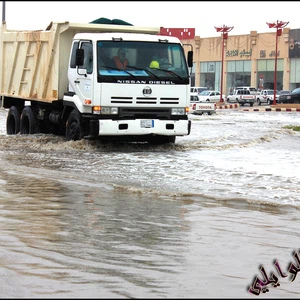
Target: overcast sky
pixel 244 16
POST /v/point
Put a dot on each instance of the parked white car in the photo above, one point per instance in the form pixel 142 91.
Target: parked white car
pixel 267 96
pixel 210 96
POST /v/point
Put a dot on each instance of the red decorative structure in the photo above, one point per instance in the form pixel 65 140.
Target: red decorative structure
pixel 180 33
pixel 278 25
pixel 224 29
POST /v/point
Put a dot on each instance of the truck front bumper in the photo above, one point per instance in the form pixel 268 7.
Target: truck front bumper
pixel 139 127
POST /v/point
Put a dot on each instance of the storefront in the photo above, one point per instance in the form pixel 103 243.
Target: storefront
pixel 249 60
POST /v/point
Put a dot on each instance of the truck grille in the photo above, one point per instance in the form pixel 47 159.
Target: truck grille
pixel 126 112
pixel 143 100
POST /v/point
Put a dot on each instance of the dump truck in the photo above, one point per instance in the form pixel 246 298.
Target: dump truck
pixel 63 81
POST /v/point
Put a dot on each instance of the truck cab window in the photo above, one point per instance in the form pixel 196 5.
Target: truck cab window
pixel 88 57
pixel 145 60
pixel 73 55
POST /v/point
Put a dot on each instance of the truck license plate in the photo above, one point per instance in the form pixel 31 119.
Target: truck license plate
pixel 147 123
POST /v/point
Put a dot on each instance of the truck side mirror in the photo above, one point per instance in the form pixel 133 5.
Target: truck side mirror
pixel 79 57
pixel 190 58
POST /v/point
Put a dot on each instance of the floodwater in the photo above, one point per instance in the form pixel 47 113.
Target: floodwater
pixel 198 219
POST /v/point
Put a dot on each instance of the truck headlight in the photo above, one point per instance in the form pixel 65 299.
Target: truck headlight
pixel 105 110
pixel 178 111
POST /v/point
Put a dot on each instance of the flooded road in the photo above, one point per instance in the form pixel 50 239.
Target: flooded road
pixel 192 220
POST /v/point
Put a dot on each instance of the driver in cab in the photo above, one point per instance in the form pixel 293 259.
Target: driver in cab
pixel 120 60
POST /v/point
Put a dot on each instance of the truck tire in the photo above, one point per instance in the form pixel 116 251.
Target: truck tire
pixel 13 121
pixel 74 128
pixel 28 122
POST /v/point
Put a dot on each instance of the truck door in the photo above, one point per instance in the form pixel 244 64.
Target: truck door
pixel 82 77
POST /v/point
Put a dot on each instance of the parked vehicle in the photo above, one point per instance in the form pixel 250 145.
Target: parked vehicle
pixel 293 97
pixel 55 82
pixel 233 96
pixel 194 98
pixel 210 96
pixel 252 90
pixel 284 92
pixel 198 89
pixel 207 108
pixel 202 108
pixel 241 96
pixel 266 96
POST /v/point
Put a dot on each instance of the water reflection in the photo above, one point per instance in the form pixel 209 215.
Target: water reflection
pixel 104 235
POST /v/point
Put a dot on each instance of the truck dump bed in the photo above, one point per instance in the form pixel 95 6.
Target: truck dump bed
pixel 34 64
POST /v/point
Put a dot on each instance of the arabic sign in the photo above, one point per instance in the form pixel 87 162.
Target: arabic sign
pixel 262 53
pixel 259 285
pixel 236 52
pixel 294 43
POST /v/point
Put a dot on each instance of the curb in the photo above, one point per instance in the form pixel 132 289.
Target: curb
pixel 272 109
pixel 287 109
pixel 228 106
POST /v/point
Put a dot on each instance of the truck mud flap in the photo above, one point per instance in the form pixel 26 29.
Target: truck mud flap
pixel 189 127
pixel 94 128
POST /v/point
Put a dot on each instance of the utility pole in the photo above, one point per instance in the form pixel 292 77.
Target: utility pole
pixel 278 25
pixel 224 29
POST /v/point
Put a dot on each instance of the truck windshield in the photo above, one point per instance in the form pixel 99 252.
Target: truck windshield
pixel 145 61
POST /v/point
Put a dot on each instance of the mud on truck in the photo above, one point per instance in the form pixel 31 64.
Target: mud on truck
pixel 54 81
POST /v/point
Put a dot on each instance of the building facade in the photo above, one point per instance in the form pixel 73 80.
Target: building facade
pixel 249 60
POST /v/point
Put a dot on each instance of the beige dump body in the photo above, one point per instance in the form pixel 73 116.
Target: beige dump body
pixel 34 64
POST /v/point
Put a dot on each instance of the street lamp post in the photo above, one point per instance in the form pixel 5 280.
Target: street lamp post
pixel 278 25
pixel 224 29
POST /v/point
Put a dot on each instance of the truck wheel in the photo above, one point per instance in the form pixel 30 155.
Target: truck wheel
pixel 74 130
pixel 13 121
pixel 28 122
